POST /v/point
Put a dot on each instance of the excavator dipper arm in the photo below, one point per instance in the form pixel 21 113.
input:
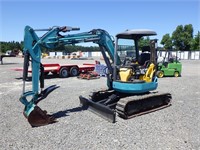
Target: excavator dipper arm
pixel 32 53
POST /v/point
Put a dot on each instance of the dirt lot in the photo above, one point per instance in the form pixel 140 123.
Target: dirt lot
pixel 174 128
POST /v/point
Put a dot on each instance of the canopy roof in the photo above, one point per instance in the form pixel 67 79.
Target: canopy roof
pixel 135 34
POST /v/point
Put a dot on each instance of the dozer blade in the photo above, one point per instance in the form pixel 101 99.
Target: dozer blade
pixel 98 108
pixel 39 117
pixel 132 106
pixel 102 103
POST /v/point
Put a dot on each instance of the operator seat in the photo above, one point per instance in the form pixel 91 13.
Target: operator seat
pixel 144 56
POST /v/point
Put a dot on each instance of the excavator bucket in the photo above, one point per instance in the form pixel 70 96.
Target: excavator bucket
pixel 34 114
pixel 39 117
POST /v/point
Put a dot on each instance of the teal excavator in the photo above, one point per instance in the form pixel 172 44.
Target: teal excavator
pixel 130 79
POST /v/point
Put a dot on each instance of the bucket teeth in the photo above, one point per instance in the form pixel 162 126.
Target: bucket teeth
pixel 39 117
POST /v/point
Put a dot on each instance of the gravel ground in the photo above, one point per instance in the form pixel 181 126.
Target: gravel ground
pixel 174 128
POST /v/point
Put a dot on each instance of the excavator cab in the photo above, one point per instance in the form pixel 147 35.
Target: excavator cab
pixel 139 68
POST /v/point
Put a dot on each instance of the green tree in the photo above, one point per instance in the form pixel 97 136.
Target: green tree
pixel 182 37
pixel 143 42
pixel 196 42
pixel 166 41
pixel 5 46
pixel 177 37
pixel 188 34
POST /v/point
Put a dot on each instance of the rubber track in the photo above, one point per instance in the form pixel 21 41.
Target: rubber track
pixel 131 103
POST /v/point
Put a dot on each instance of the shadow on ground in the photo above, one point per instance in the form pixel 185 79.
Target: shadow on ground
pixel 66 112
pixel 46 77
pixel 8 63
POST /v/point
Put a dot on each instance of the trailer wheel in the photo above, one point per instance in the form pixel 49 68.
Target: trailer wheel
pixel 63 73
pixel 74 71
pixel 159 74
pixel 176 74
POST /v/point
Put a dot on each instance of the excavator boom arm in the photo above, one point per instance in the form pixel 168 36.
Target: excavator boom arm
pixel 32 52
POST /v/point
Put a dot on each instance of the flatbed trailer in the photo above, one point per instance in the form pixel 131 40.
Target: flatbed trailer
pixel 64 71
pixel 2 56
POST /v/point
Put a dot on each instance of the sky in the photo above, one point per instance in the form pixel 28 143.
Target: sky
pixel 113 16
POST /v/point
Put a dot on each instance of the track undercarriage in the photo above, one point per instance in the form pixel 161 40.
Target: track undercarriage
pixel 108 103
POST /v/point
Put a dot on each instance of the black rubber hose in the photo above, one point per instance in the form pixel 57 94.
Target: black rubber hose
pixel 75 28
pixel 41 76
pixel 26 65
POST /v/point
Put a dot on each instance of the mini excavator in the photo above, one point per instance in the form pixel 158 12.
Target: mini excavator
pixel 129 80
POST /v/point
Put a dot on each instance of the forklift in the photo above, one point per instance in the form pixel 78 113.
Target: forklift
pixel 169 66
